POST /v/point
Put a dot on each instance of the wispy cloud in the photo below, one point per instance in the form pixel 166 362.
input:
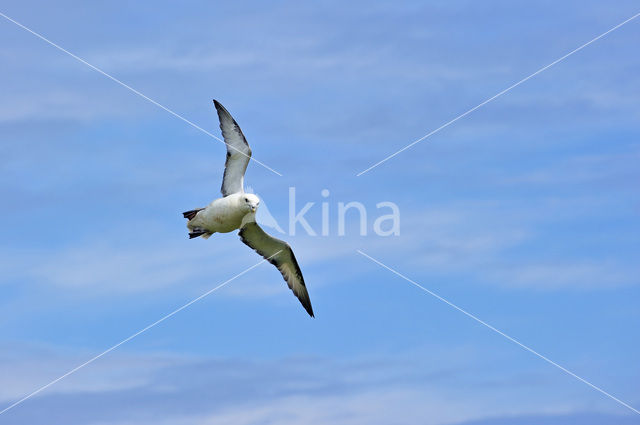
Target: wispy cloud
pixel 530 199
pixel 567 275
pixel 97 269
pixel 240 391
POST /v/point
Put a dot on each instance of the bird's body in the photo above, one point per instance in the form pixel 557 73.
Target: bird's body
pixel 224 215
pixel 236 210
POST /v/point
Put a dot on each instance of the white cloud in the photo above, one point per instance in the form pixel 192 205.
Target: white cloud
pixel 111 267
pixel 25 368
pixel 442 386
pixel 477 240
pixel 566 275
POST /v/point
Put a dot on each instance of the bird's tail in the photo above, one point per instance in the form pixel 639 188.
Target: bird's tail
pixel 192 213
pixel 194 231
pixel 198 232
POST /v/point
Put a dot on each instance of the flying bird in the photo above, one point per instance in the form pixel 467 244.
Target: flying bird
pixel 237 210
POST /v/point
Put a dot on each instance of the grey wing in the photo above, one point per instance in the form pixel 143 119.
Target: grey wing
pixel 238 152
pixel 279 254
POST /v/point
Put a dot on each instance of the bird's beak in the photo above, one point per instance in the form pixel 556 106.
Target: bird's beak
pixel 253 208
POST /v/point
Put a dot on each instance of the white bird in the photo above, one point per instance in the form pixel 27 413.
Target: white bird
pixel 237 210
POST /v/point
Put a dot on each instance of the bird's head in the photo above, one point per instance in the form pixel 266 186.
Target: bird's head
pixel 251 201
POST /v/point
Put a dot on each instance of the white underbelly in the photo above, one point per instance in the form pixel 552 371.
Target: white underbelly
pixel 219 217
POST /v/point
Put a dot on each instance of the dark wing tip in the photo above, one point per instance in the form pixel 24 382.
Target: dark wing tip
pixel 219 107
pixel 301 295
pixel 309 310
pixel 222 111
pixel 223 114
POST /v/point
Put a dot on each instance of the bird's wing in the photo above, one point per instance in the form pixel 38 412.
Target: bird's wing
pixel 238 152
pixel 279 254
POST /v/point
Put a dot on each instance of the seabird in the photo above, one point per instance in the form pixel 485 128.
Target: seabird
pixel 237 210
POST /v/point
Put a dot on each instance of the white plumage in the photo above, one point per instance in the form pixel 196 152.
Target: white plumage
pixel 237 209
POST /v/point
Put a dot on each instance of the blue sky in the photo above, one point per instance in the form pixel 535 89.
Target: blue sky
pixel 525 213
